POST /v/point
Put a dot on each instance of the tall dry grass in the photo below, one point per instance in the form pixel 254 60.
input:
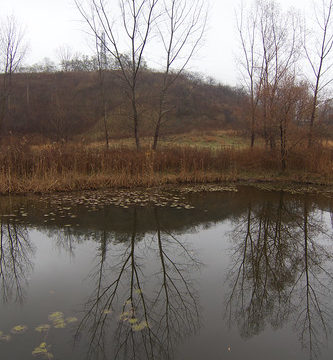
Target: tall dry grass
pixel 70 167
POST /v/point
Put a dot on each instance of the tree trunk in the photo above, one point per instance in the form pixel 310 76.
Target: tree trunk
pixel 136 125
pixel 156 135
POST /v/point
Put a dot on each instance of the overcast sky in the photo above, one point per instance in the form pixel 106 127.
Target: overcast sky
pixel 52 23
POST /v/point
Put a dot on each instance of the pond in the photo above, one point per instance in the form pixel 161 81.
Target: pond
pixel 180 274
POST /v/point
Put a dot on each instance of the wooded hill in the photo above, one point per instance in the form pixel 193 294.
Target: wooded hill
pixel 62 105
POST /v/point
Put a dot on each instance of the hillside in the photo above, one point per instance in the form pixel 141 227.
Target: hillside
pixel 62 105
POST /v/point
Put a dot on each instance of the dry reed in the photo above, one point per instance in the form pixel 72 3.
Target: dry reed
pixel 73 167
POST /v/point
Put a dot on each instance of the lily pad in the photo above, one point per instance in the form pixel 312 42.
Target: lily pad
pixel 42 351
pixel 57 319
pixel 5 338
pixel 70 320
pixel 56 316
pixel 140 327
pixel 43 328
pixel 19 329
pixel 124 316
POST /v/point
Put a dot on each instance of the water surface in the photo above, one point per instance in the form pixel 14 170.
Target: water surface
pixel 171 275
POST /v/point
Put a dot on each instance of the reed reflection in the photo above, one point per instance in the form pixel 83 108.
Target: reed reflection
pixel 145 303
pixel 281 271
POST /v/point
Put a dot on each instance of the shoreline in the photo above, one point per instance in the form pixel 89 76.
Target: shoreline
pixel 225 183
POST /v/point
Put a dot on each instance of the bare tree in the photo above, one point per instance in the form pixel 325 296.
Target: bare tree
pixel 12 51
pixel 247 26
pixel 271 42
pixel 292 103
pixel 65 56
pixel 319 60
pixel 280 35
pixel 102 65
pixel 136 19
pixel 181 30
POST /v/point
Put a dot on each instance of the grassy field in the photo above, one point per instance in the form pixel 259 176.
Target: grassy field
pixel 214 140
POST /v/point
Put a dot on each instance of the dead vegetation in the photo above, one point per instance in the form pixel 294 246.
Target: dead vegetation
pixel 67 167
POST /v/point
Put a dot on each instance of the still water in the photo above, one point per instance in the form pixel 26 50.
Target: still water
pixel 173 275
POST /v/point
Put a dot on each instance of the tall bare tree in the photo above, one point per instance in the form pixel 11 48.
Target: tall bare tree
pixel 292 103
pixel 12 51
pixel 102 66
pixel 128 22
pixel 271 42
pixel 248 25
pixel 65 56
pixel 320 59
pixel 181 30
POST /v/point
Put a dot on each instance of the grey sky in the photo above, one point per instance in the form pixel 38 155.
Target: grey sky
pixel 52 23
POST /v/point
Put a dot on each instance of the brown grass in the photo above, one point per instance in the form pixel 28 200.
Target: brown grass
pixel 52 167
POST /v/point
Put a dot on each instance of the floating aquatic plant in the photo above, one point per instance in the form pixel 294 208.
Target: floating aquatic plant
pixel 56 315
pixel 4 338
pixel 42 351
pixel 59 324
pixel 139 327
pixel 124 316
pixel 43 328
pixel 19 329
pixel 70 320
pixel 57 319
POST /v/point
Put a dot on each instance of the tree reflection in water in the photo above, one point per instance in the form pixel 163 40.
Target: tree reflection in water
pixel 149 323
pixel 280 271
pixel 15 260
